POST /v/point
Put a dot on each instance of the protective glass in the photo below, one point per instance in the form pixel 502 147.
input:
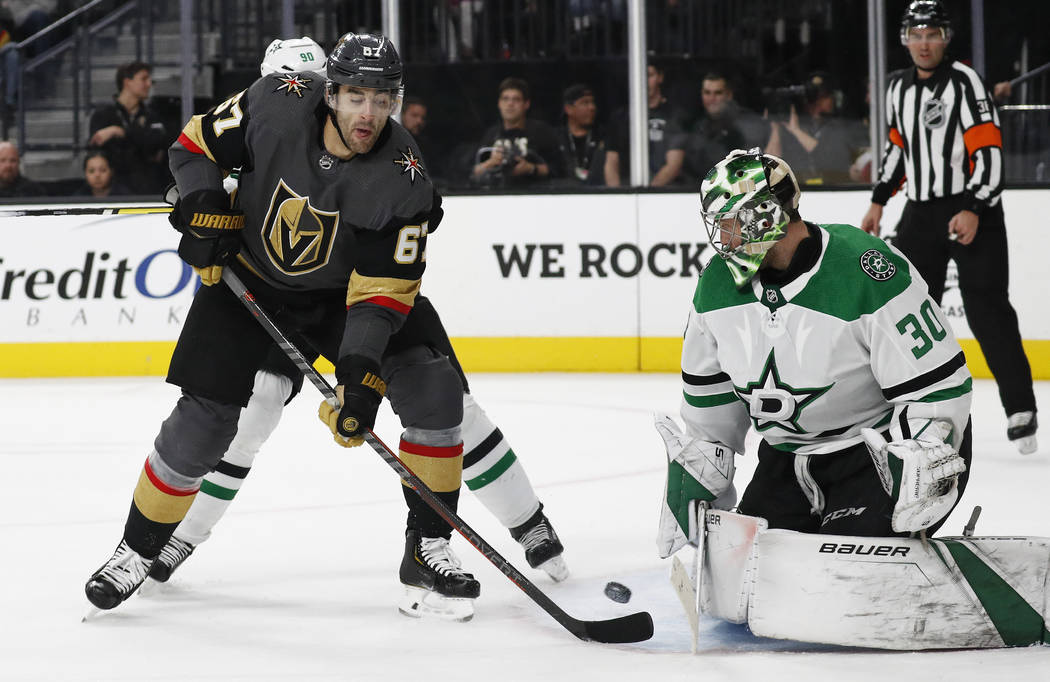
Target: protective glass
pixel 353 100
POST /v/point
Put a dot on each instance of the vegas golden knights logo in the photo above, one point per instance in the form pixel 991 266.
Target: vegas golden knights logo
pixel 297 236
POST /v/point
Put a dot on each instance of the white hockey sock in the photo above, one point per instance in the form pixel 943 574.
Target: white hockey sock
pixel 257 422
pixel 492 471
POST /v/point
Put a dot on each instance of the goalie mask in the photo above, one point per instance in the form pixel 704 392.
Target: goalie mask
pixel 293 55
pixel 746 202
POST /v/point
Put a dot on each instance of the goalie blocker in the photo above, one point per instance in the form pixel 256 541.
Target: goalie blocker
pixel 887 593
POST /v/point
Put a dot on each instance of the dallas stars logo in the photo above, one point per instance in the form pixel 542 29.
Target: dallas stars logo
pixel 774 403
pixel 876 265
pixel 293 83
pixel 410 164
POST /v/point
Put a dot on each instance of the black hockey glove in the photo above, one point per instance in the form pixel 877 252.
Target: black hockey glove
pixel 436 213
pixel 211 231
pixel 360 391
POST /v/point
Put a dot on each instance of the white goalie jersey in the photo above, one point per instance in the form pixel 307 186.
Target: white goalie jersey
pixel 854 342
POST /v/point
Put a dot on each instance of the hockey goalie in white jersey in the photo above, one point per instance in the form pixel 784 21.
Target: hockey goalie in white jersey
pixel 825 341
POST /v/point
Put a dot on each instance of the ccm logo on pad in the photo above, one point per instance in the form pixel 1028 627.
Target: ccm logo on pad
pixel 864 550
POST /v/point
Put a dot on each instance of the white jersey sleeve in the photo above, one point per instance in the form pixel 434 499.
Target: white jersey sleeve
pixel 917 361
pixel 711 409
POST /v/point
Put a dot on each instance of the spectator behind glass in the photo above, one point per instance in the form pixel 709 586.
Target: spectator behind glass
pixel 99 179
pixel 666 140
pixel 722 126
pixel 582 143
pixel 819 145
pixel 414 119
pixel 132 134
pixel 518 151
pixel 12 183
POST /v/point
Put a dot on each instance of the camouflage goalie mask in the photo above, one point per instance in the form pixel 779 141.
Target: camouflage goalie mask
pixel 746 201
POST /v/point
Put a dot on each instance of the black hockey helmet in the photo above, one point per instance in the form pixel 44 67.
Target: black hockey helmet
pixel 925 14
pixel 365 60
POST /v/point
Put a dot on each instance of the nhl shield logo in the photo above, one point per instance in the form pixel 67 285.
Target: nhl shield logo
pixel 877 266
pixel 933 113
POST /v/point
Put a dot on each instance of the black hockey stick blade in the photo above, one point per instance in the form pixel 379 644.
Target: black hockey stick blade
pixel 636 627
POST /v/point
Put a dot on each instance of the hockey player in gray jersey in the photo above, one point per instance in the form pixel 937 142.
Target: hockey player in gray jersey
pixel 331 215
pixel 490 467
pixel 825 341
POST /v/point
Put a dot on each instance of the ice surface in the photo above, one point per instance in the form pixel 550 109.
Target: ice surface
pixel 299 581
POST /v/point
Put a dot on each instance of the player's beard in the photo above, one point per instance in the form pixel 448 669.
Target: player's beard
pixel 354 129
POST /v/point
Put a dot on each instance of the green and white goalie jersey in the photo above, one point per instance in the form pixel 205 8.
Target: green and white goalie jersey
pixel 854 341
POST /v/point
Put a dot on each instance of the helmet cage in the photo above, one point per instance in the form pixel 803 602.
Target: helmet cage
pixel 750 230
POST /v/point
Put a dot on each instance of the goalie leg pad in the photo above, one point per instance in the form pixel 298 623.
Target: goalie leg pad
pixel 729 564
pixel 892 593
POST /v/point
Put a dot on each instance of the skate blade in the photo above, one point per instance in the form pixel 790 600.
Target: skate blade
pixel 556 568
pixel 1026 445
pixel 91 614
pixel 420 603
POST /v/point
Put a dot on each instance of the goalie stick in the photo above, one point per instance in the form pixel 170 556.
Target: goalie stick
pixel 636 627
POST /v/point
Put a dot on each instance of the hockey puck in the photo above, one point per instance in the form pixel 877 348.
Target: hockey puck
pixel 618 592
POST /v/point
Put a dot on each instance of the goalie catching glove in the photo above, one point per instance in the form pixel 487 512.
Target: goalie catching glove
pixel 211 230
pixel 696 471
pixel 360 391
pixel 920 474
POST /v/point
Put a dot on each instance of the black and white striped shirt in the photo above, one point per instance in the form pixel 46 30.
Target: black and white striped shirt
pixel 944 138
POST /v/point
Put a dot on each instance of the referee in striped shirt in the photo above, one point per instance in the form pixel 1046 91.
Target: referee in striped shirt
pixel 945 147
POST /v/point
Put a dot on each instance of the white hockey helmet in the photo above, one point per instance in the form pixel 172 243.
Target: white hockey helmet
pixel 293 55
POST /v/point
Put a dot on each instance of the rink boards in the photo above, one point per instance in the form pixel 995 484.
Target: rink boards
pixel 523 283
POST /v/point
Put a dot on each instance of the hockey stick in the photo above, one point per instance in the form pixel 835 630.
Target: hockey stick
pixel 85 210
pixel 636 627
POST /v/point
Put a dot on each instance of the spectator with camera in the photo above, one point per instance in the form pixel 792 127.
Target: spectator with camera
pixel 722 126
pixel 581 141
pixel 819 145
pixel 517 151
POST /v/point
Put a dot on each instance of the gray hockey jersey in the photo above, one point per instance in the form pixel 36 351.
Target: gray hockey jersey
pixel 313 221
pixel 853 342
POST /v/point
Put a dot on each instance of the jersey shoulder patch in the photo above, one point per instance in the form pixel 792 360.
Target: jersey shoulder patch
pixel 276 97
pixel 858 274
pixel 399 162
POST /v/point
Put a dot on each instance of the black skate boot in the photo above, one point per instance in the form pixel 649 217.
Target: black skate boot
pixel 435 585
pixel 170 558
pixel 543 549
pixel 1021 428
pixel 118 578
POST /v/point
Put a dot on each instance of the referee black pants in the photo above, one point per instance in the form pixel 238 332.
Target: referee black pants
pixel 984 277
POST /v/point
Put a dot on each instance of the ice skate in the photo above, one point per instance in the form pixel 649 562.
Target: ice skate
pixel 170 558
pixel 1021 428
pixel 435 585
pixel 118 578
pixel 543 549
